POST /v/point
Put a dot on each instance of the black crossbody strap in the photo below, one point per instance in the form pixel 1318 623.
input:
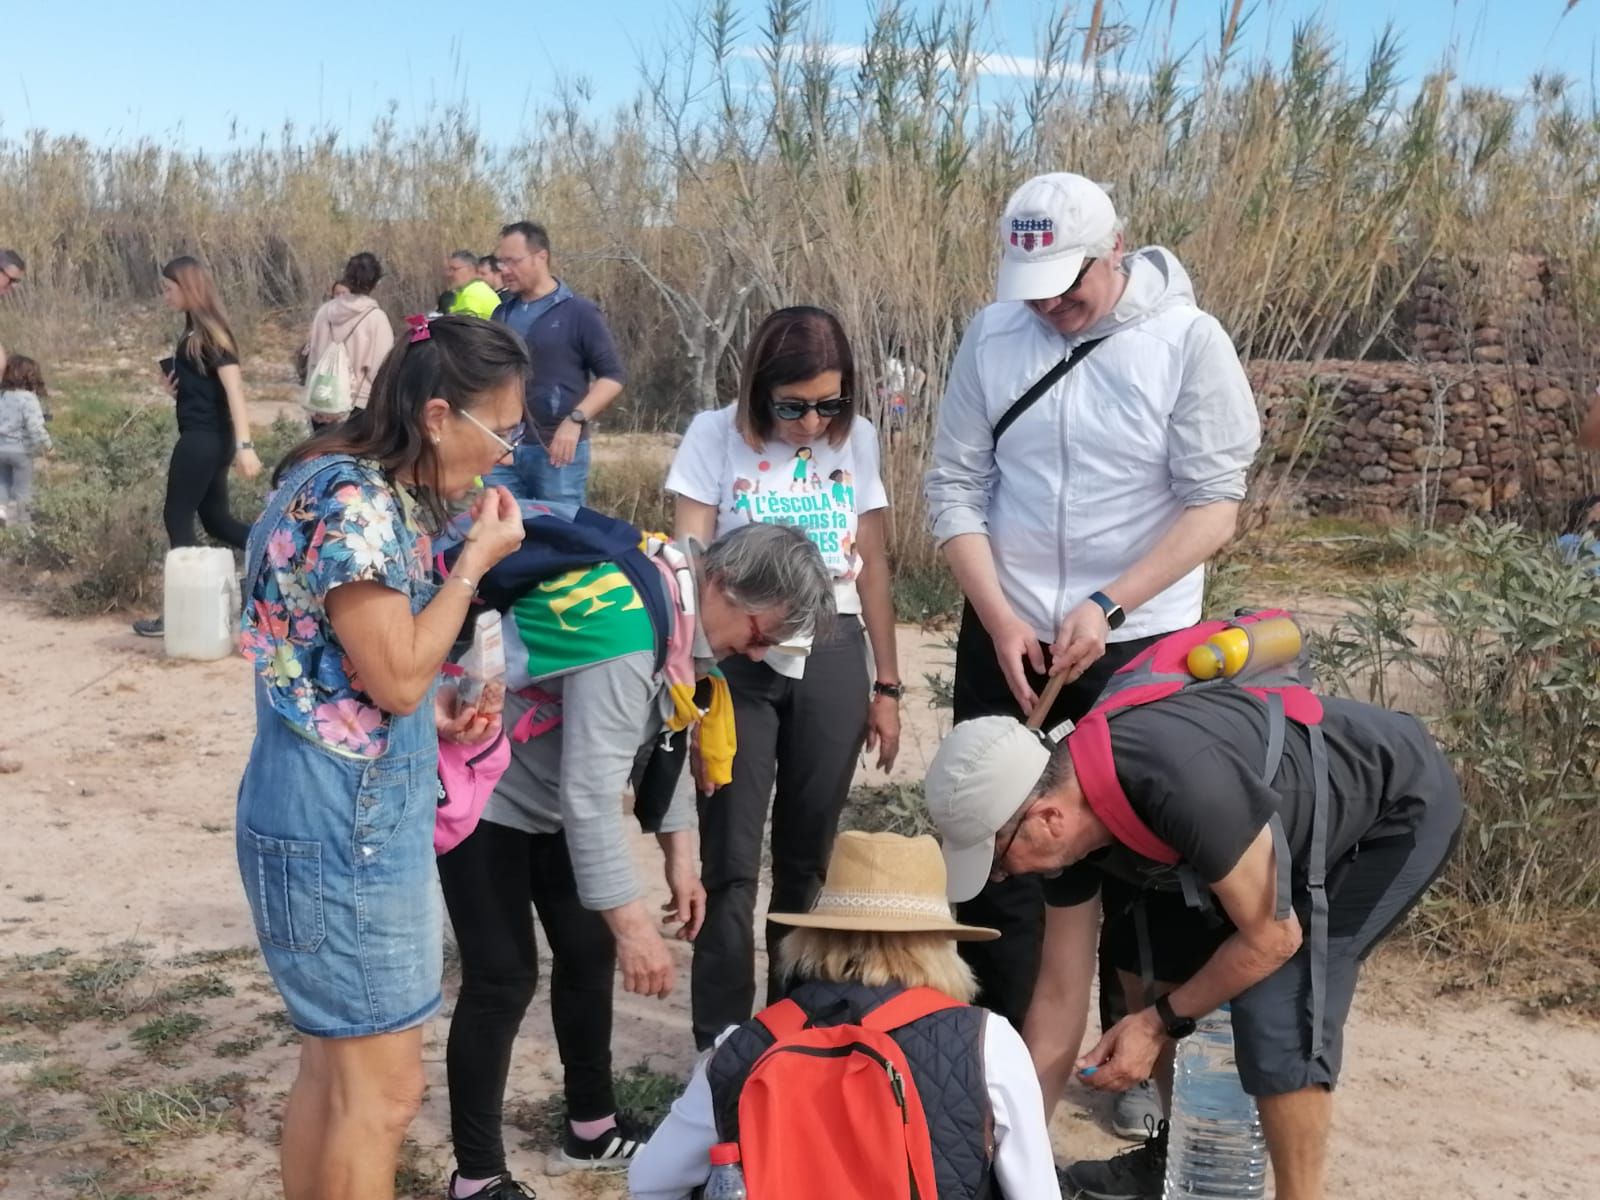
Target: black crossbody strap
pixel 1047 381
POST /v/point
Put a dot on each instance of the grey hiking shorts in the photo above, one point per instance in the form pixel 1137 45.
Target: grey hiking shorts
pixel 1369 891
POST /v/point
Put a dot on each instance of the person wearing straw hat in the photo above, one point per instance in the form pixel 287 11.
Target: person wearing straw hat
pixel 880 926
pixel 1176 788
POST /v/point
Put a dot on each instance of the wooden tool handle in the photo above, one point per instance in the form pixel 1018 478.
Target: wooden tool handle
pixel 1046 699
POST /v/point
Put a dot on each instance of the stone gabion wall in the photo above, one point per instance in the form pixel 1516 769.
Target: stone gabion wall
pixel 1441 439
pixel 1507 312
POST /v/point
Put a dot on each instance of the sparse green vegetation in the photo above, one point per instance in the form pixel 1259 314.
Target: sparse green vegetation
pixel 140 1116
pixel 161 1035
pixel 53 1077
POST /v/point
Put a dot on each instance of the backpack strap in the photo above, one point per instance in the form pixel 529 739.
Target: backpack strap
pixel 1276 724
pixel 1316 881
pixel 910 1005
pixel 1044 383
pixel 783 1019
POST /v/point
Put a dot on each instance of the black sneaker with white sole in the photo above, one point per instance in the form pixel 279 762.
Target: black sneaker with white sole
pixel 150 627
pixel 1136 1174
pixel 612 1150
pixel 502 1187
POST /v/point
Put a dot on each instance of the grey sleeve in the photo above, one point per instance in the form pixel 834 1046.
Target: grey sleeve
pixel 1214 430
pixel 958 481
pixel 607 711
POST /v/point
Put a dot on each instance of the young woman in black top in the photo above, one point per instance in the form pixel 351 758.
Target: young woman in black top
pixel 213 426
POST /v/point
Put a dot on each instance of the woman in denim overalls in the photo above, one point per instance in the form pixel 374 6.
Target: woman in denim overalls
pixel 348 629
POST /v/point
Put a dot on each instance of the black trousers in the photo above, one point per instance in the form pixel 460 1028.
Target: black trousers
pixel 804 736
pixel 197 484
pixel 489 880
pixel 1008 967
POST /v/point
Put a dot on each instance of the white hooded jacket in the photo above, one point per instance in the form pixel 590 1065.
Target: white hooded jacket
pixel 1156 419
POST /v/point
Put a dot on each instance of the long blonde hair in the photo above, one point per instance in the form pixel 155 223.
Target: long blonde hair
pixel 878 960
pixel 208 335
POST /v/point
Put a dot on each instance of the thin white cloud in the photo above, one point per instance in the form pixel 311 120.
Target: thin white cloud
pixel 1007 66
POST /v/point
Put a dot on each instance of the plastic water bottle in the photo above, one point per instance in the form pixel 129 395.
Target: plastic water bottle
pixel 1215 1150
pixel 727 1176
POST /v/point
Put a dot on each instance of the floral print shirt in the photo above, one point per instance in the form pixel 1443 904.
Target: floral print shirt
pixel 346 525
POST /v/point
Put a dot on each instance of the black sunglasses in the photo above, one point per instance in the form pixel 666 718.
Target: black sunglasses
pixel 793 410
pixel 997 868
pixel 1076 284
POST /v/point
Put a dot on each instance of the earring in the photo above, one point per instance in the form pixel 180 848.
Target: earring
pixel 436 439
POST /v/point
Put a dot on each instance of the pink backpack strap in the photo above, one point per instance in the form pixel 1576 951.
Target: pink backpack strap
pixel 1090 747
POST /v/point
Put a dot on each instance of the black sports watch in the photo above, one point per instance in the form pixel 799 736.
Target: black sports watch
pixel 1114 614
pixel 892 690
pixel 578 417
pixel 1176 1026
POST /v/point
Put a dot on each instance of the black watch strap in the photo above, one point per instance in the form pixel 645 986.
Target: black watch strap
pixel 1176 1026
pixel 1114 614
pixel 893 690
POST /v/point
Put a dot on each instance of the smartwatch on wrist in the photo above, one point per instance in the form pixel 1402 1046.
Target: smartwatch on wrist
pixel 892 690
pixel 1113 611
pixel 1177 1027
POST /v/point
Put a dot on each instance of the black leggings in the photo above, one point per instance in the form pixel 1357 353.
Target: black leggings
pixel 197 483
pixel 488 881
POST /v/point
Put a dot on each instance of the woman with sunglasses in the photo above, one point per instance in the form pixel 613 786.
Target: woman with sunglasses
pixel 347 629
pixel 804 713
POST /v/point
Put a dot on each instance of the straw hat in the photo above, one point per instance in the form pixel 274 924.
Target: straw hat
pixel 885 883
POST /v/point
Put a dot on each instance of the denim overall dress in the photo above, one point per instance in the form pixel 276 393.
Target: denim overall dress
pixel 336 850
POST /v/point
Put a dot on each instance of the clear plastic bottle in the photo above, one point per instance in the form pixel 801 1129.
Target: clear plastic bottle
pixel 1215 1150
pixel 727 1176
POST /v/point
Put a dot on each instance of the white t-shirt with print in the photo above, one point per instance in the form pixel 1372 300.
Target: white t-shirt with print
pixel 822 489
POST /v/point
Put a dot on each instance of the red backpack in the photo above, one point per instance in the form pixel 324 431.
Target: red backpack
pixel 1161 671
pixel 833 1111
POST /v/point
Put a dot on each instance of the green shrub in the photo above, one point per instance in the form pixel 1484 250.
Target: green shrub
pixel 97 516
pixel 1499 646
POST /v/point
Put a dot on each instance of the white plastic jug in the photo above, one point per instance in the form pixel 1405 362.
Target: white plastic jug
pixel 201 608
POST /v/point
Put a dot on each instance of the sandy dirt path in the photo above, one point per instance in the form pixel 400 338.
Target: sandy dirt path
pixel 157 1069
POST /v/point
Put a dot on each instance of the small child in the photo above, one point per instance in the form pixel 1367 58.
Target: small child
pixel 23 436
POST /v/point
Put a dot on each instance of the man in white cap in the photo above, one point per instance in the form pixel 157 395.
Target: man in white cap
pixel 1175 794
pixel 1092 449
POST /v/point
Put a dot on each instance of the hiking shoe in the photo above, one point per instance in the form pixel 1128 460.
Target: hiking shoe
pixel 150 627
pixel 502 1187
pixel 612 1150
pixel 1136 1174
pixel 1136 1111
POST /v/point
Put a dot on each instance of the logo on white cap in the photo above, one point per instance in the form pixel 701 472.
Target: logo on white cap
pixel 1032 233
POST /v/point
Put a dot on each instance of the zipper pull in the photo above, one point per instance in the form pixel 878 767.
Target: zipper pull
pixel 899 1086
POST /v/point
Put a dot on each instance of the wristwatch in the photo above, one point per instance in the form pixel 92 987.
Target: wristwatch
pixel 892 690
pixel 244 446
pixel 577 416
pixel 1176 1026
pixel 1114 614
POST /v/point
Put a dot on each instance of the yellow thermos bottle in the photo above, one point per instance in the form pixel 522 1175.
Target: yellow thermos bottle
pixel 1274 642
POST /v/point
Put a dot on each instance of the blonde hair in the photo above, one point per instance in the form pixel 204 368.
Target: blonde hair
pixel 878 959
pixel 209 334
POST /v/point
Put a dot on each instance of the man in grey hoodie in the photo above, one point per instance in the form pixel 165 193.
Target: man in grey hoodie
pixel 1092 449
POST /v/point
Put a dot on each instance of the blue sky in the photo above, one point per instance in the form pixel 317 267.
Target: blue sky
pixel 135 68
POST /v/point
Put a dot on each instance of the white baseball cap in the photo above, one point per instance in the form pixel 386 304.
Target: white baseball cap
pixel 1049 226
pixel 979 778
